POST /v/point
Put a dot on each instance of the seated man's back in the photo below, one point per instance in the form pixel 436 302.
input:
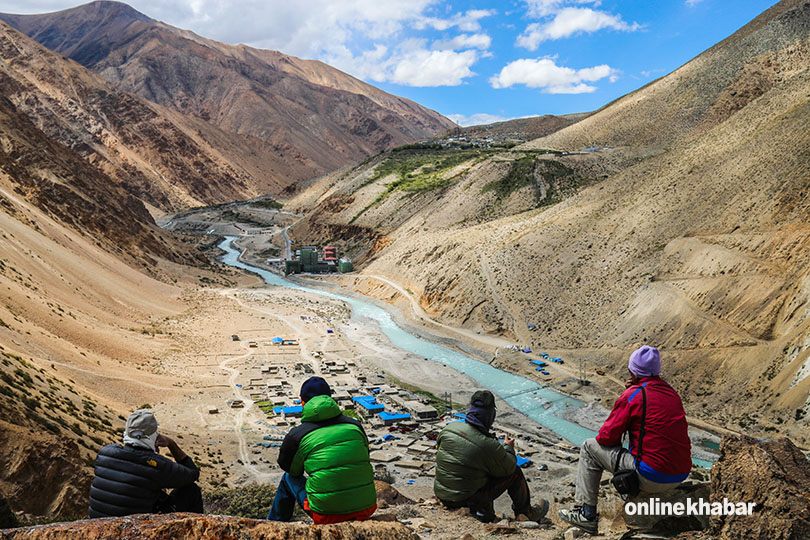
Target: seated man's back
pixel 130 478
pixel 473 468
pixel 468 458
pixel 332 449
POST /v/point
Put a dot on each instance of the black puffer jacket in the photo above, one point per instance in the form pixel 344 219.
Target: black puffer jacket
pixel 130 480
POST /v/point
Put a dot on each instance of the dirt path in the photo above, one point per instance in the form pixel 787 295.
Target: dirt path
pixel 239 420
pixel 419 313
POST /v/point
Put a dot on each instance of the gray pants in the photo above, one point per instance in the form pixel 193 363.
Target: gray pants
pixel 595 458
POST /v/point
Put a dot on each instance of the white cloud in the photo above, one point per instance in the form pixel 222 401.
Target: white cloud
pixel 542 8
pixel 433 68
pixel 544 73
pixel 691 3
pixel 409 65
pixel 466 22
pixel 465 41
pixel 570 21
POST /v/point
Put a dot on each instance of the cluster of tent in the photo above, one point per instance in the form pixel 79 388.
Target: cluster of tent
pixel 541 365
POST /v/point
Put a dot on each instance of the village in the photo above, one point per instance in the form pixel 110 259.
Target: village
pixel 401 425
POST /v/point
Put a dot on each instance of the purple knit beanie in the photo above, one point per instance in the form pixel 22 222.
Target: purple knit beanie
pixel 645 362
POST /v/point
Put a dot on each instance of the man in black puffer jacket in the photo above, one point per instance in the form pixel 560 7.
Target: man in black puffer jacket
pixel 130 479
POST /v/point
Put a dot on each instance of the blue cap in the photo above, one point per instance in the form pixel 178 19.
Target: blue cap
pixel 314 386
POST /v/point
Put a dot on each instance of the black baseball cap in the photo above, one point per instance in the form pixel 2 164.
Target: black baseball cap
pixel 484 397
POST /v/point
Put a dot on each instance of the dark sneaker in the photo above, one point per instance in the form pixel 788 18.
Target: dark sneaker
pixel 483 515
pixel 538 511
pixel 576 518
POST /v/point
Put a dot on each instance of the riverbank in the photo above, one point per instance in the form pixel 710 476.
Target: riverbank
pixel 535 396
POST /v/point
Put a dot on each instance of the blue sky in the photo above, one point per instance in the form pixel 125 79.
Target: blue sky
pixel 470 60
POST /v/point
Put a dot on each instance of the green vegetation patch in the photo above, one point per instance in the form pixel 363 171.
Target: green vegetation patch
pixel 418 169
pixel 560 180
pixel 268 203
pixel 351 413
pixel 520 174
pixel 251 501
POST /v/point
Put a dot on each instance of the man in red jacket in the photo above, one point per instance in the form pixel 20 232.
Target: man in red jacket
pixel 666 458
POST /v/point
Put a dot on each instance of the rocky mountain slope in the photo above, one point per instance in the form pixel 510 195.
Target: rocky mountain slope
pixel 315 117
pixel 70 300
pixel 686 227
pixel 191 526
pixel 164 158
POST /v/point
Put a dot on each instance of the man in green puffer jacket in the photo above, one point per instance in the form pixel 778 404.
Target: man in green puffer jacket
pixel 473 468
pixel 333 451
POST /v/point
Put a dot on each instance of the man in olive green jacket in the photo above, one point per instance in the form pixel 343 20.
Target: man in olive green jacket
pixel 473 468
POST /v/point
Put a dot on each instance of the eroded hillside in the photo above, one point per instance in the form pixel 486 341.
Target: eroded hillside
pixel 161 157
pixel 686 228
pixel 79 301
pixel 314 117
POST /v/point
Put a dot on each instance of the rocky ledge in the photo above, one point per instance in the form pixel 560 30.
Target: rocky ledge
pixel 197 527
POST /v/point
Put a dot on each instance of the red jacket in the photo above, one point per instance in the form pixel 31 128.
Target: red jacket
pixel 666 450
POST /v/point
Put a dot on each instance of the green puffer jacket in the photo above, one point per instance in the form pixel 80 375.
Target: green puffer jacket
pixel 333 450
pixel 466 459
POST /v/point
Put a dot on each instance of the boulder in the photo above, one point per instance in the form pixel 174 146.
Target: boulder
pixel 199 527
pixel 387 495
pixel 669 523
pixel 773 474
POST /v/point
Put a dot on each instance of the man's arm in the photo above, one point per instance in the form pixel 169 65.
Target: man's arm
pixel 610 434
pixel 182 473
pixel 501 459
pixel 287 452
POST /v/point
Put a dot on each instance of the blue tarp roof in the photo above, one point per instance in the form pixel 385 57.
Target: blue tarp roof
pixel 288 410
pixel 523 461
pixel 538 362
pixel 276 340
pixel 394 416
pixel 527 351
pixel 369 402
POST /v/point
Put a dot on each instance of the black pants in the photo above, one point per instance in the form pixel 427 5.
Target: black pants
pixel 482 503
pixel 182 499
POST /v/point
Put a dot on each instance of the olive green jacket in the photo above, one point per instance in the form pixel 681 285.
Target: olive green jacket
pixel 466 459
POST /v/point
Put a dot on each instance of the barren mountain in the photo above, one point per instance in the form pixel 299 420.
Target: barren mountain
pixel 316 117
pixel 686 229
pixel 164 158
pixel 71 240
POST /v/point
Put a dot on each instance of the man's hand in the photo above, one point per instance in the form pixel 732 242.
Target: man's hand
pixel 509 441
pixel 163 441
pixel 629 382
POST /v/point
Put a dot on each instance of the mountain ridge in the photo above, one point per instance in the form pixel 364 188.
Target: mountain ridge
pixel 322 115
